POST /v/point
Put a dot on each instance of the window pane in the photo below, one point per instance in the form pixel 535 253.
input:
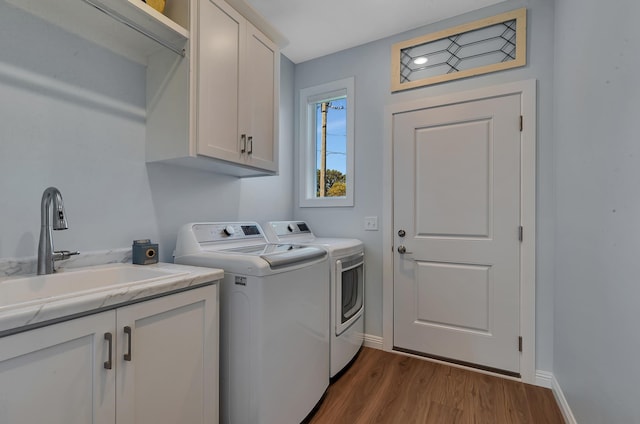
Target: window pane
pixel 326 145
pixel 331 147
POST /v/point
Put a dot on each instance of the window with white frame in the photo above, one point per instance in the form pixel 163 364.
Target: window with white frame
pixel 327 144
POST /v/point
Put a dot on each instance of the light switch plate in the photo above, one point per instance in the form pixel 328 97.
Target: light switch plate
pixel 371 223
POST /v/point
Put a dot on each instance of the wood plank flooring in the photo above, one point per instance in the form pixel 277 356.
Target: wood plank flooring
pixel 382 387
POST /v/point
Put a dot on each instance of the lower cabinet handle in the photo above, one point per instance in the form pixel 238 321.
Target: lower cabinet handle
pixel 109 338
pixel 127 331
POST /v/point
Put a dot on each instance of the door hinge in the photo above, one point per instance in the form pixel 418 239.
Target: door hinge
pixel 521 123
pixel 520 344
pixel 521 233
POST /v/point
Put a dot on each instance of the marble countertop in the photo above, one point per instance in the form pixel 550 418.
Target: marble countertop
pixel 36 313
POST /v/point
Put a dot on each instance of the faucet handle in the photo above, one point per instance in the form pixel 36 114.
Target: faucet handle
pixel 60 255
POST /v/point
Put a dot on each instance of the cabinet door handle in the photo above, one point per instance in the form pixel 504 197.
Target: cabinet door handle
pixel 243 143
pixel 109 338
pixel 127 331
pixel 250 150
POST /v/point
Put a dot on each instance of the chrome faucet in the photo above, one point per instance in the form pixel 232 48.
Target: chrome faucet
pixel 46 255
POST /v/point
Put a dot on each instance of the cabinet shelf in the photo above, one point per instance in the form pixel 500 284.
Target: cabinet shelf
pixel 128 27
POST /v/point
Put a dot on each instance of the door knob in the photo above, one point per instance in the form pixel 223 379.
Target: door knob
pixel 402 250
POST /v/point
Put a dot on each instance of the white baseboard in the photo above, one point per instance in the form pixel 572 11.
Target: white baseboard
pixel 562 402
pixel 544 379
pixel 548 380
pixel 374 342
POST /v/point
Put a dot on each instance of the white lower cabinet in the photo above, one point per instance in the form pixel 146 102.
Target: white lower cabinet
pixel 55 374
pixel 163 359
pixel 168 360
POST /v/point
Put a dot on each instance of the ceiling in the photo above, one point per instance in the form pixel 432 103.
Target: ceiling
pixel 320 27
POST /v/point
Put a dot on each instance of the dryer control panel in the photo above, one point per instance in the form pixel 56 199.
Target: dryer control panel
pixel 284 228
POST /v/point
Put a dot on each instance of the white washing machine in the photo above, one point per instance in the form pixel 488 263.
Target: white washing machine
pixel 346 259
pixel 274 321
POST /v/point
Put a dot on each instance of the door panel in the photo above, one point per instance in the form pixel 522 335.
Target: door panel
pixel 459 155
pixel 261 92
pixel 261 99
pixel 170 375
pixel 220 38
pixel 453 295
pixel 56 374
pixel 457 196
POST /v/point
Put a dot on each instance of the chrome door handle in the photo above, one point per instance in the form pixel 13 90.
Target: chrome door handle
pixel 402 250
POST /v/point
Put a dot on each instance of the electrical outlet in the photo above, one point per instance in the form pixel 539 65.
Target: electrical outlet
pixel 371 223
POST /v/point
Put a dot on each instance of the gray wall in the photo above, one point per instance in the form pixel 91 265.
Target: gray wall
pixel 370 64
pixel 597 151
pixel 72 115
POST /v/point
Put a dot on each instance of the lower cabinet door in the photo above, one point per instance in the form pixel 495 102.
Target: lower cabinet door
pixel 168 359
pixel 57 375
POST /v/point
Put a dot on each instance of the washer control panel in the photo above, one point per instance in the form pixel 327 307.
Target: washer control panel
pixel 223 231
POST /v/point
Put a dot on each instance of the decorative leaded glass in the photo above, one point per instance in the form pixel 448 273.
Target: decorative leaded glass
pixel 484 46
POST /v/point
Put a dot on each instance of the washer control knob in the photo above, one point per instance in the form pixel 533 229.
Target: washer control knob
pixel 229 230
pixel 291 228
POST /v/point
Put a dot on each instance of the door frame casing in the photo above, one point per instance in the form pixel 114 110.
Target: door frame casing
pixel 527 91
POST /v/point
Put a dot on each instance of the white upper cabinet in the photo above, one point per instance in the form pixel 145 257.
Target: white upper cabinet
pixel 237 89
pixel 216 109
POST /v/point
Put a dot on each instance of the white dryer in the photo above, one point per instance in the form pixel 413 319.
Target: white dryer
pixel 274 321
pixel 346 259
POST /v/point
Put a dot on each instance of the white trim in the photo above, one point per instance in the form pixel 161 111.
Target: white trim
pixel 307 160
pixel 527 89
pixel 372 341
pixel 562 401
pixel 544 379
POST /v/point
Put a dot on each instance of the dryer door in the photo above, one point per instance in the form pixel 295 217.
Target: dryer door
pixel 349 291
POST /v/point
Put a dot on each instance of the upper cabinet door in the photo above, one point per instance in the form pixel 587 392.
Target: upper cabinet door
pixel 221 35
pixel 237 89
pixel 259 118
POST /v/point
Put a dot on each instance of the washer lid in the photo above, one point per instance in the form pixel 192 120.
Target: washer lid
pixel 294 255
pixel 279 255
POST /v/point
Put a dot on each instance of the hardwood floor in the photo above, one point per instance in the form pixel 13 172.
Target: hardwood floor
pixel 383 387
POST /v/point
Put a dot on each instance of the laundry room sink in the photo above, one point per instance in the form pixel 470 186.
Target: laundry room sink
pixel 33 301
pixel 68 283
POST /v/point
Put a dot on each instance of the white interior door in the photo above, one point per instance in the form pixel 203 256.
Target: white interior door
pixel 457 202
